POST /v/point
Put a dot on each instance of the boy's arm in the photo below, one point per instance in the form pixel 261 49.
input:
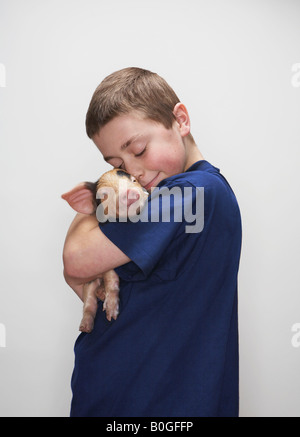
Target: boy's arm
pixel 88 253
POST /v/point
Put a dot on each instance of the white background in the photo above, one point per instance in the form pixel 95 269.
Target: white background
pixel 231 63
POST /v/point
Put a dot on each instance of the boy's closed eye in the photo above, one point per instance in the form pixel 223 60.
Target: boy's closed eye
pixel 138 150
pixel 140 153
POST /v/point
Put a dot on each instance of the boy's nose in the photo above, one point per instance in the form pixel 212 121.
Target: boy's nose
pixel 135 170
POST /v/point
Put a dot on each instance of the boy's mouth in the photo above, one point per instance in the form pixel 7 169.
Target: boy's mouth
pixel 151 183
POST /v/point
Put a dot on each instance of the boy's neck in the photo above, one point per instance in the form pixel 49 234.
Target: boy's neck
pixel 192 152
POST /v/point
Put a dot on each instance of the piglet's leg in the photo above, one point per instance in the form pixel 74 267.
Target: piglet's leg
pixel 89 305
pixel 111 303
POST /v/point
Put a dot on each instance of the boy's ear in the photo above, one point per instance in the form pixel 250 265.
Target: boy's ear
pixel 182 117
pixel 81 198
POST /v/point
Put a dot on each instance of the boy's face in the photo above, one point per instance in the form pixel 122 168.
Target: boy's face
pixel 143 148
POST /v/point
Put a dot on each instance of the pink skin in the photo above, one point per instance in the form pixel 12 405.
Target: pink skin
pixel 128 198
pixel 154 152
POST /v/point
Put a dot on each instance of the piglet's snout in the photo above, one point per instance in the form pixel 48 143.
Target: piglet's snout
pixel 129 197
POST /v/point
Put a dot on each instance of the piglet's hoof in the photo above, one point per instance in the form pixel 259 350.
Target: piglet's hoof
pixel 111 306
pixel 87 323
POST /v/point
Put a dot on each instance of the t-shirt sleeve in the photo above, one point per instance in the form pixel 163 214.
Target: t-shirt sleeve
pixel 171 211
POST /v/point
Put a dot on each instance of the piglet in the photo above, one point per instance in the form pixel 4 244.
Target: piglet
pixel 116 194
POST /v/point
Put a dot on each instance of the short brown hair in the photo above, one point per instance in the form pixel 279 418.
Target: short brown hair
pixel 127 90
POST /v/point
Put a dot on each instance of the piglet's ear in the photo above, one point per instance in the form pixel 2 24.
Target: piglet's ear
pixel 80 198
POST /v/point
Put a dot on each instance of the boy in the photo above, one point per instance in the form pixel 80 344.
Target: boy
pixel 173 351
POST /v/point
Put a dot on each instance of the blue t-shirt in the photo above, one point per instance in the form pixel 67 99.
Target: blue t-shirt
pixel 173 350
